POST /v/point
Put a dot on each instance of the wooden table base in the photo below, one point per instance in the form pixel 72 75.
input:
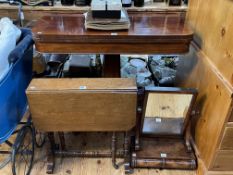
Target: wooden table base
pixel 114 153
pixel 111 66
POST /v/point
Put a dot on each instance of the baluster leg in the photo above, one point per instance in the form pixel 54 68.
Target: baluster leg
pixel 114 151
pixel 128 169
pixel 50 154
pixel 62 140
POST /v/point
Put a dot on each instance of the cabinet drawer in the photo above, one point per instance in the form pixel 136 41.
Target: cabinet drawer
pixel 227 140
pixel 223 161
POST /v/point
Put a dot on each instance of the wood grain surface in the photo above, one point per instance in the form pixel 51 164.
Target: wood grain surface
pixel 174 151
pixel 158 33
pixel 45 84
pixel 168 105
pixel 60 104
pixel 212 23
pixel 214 102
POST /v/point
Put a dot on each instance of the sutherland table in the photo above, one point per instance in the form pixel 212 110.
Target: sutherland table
pixel 149 33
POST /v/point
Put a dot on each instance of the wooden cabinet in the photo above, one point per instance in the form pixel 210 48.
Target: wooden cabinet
pixel 224 155
pixel 211 71
pixel 213 133
pixel 227 140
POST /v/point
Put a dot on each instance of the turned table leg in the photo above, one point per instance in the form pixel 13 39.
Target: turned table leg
pixel 114 151
pixel 128 169
pixel 62 140
pixel 126 144
pixel 50 152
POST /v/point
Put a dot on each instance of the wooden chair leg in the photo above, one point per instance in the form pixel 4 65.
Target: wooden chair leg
pixel 50 154
pixel 114 151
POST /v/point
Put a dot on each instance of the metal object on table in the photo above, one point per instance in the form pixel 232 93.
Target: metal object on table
pixel 56 63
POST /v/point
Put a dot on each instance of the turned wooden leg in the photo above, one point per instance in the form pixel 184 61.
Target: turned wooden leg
pixel 138 129
pixel 50 154
pixel 137 143
pixel 126 144
pixel 128 169
pixel 62 140
pixel 114 151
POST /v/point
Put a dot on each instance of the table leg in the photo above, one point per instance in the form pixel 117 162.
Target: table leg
pixel 114 151
pixel 126 144
pixel 62 140
pixel 128 169
pixel 139 117
pixel 111 66
pixel 50 153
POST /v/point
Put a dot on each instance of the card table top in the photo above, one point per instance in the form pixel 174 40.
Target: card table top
pixel 148 33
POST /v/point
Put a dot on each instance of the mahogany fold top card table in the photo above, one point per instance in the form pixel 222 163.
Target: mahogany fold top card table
pixel 149 33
